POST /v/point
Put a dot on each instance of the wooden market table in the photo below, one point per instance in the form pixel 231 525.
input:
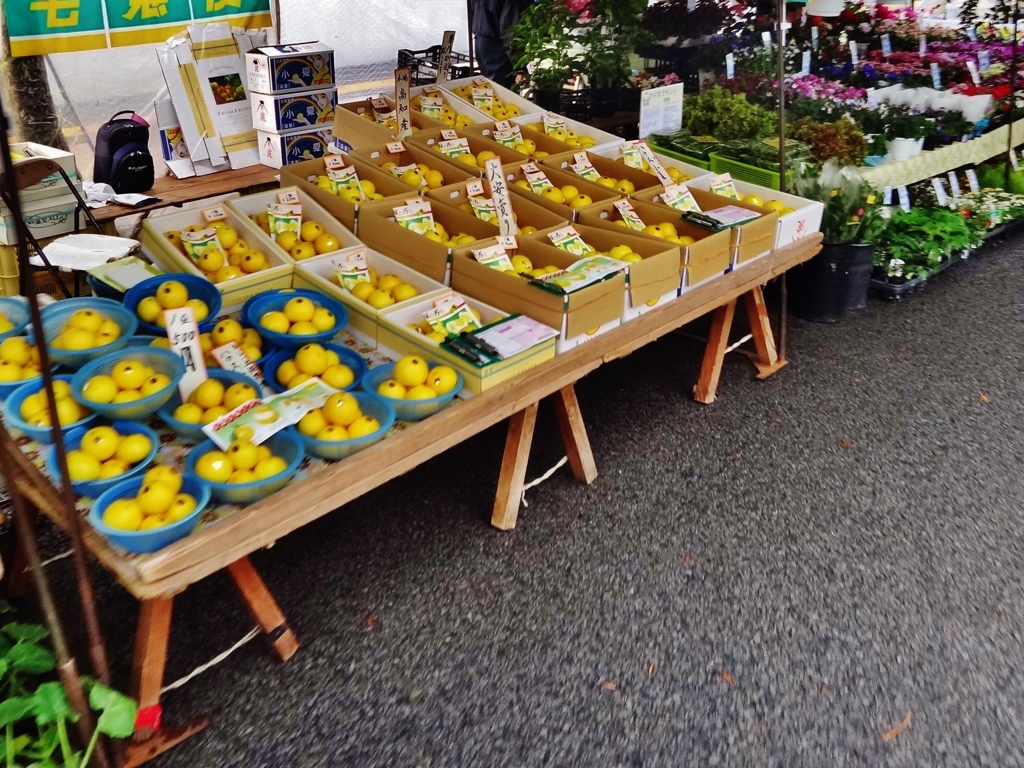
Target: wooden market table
pixel 156 579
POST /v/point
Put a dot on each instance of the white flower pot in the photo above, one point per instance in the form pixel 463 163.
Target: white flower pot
pixel 903 149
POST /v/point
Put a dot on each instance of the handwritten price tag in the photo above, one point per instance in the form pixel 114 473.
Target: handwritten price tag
pixel 183 334
pixel 232 358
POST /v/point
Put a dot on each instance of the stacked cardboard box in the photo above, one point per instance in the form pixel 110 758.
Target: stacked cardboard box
pixel 49 206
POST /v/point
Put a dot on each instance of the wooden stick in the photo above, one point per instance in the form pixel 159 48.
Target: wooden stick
pixel 574 435
pixel 513 468
pixel 263 607
pixel 767 359
pixel 714 354
pixel 150 658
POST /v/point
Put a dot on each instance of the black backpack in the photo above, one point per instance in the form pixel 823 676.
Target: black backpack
pixel 123 159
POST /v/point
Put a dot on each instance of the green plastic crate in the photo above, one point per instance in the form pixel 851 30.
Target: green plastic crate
pixel 748 173
pixel 703 164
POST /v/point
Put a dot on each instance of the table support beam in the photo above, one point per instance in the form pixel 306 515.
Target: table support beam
pixel 574 435
pixel 513 467
pixel 714 353
pixel 263 607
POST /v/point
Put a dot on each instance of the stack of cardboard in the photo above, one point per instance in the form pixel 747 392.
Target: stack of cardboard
pixel 49 206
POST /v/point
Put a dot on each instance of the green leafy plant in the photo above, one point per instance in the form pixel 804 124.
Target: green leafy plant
pixel 542 43
pixel 904 124
pixel 841 141
pixel 852 213
pixel 917 241
pixel 726 116
pixel 35 715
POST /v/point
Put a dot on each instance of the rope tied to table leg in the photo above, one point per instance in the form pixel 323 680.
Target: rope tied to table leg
pixel 253 633
pixel 534 483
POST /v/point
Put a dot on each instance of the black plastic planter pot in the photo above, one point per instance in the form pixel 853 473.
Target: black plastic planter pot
pixel 833 282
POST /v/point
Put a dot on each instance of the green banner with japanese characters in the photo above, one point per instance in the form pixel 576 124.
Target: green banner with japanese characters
pixel 39 27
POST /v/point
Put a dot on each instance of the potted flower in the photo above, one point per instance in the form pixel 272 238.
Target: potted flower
pixel 545 43
pixel 836 281
pixel 905 131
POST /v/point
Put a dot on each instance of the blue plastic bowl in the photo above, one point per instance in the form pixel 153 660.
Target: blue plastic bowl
pixel 7 388
pixel 160 360
pixel 142 340
pixel 285 444
pixel 148 541
pixel 103 291
pixel 352 359
pixel 198 288
pixel 194 432
pixel 409 410
pixel 43 435
pixel 371 405
pixel 17 312
pixel 93 488
pixel 57 314
pixel 271 301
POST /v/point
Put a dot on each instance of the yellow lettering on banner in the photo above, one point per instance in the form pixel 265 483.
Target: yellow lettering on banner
pixel 59 13
pixel 148 9
pixel 212 6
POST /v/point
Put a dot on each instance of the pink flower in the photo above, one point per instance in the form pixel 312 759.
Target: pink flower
pixel 577 5
pixel 671 78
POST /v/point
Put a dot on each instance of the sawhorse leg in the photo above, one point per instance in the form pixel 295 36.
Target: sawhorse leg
pixel 517 454
pixel 264 608
pixel 767 360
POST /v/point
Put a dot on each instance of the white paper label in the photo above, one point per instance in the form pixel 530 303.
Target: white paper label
pixel 922 48
pixel 334 162
pixel 904 197
pixel 1013 160
pixel 661 110
pixel 474 187
pixel 814 36
pixel 886 45
pixel 872 96
pixel 395 147
pixel 730 65
pixel 766 39
pixel 984 61
pixel 444 58
pixel 183 334
pixel 854 53
pixel 805 63
pixel 499 193
pixel 652 160
pixel 940 190
pixel 936 77
pixel 216 213
pixel 887 196
pixel 232 358
pixel 954 183
pixel 972 180
pixel 973 69
pixel 288 197
pixel 403 79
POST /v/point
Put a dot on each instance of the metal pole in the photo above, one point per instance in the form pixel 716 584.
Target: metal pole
pixel 1013 100
pixel 469 35
pixel 781 10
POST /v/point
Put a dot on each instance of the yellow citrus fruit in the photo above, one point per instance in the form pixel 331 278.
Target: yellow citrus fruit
pixel 313 423
pixel 190 413
pixel 171 294
pixel 311 359
pixel 99 389
pixel 341 409
pixel 420 392
pixel 112 468
pixel 214 467
pixel 76 339
pixel 298 309
pixel 226 331
pixel 82 467
pixel 442 379
pixel 275 322
pixel 251 337
pixel 100 442
pixel 411 370
pixel 237 394
pixel 208 394
pixel 362 290
pixel 240 476
pixel 332 433
pixel 149 309
pixel 134 448
pixel 287 371
pixel 379 299
pixel 124 515
pixel 391 388
pixel 161 473
pixel 339 376
pixel 199 309
pixel 182 506
pixel 269 467
pixel 287 240
pixel 210 415
pixel 310 230
pixel 10 372
pixel 86 320
pixel 126 396
pixel 156 383
pixel 323 319
pixel 243 454
pixel 363 426
pixel 302 328
pixel 404 292
pixel 155 498
pixel 128 374
pixel 151 522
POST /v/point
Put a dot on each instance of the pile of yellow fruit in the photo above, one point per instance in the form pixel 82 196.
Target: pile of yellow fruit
pixel 315 360
pixel 567 136
pixel 170 294
pixel 677 175
pixel 439 235
pixel 414 379
pixel 311 240
pixel 159 502
pixel 242 462
pixel 224 332
pixel 104 453
pixel 36 413
pixel 300 317
pixel 5 323
pixel 448 115
pixel 233 259
pixel 19 360
pixel 130 380
pixel 622 186
pixel 211 400
pixel 469 159
pixel 568 195
pixel 666 231
pixel 523 266
pixel 499 110
pixel 367 191
pixel 383 292
pixel 339 419
pixel 87 329
pixel 421 175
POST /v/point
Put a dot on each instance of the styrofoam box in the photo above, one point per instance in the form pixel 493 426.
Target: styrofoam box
pixel 804 221
pixel 526 107
pixel 318 274
pixel 236 292
pixel 250 205
pixel 602 139
pixel 53 185
pixel 46 217
pixel 695 173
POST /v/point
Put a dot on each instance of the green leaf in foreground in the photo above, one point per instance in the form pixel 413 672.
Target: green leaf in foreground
pixel 51 703
pixel 118 711
pixel 31 658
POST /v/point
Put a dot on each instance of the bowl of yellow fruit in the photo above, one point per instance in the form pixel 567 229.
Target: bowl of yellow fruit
pixel 221 393
pixel 246 472
pixel 147 513
pixel 336 365
pixel 80 330
pixel 131 383
pixel 104 455
pixel 291 318
pixel 19 364
pixel 151 298
pixel 14 317
pixel 415 387
pixel 27 410
pixel 346 423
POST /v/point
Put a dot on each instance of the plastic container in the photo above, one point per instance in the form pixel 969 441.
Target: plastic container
pixel 348 357
pixel 160 360
pixel 148 541
pixel 7 388
pixel 57 314
pixel 17 312
pixel 285 444
pixel 103 291
pixel 197 287
pixel 371 405
pixel 271 301
pixel 93 488
pixel 194 432
pixel 409 410
pixel 42 435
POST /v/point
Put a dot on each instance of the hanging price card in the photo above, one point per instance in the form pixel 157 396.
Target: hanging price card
pixel 854 53
pixel 183 334
pixel 730 65
pixel 886 45
pixel 887 196
pixel 232 358
pixel 805 63
pixel 973 69
pixel 766 38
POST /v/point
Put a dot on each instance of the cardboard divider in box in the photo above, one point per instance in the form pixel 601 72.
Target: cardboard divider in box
pixel 525 106
pixel 603 140
pixel 251 205
pixel 559 178
pixel 710 255
pixel 578 316
pixel 804 220
pixel 378 229
pixel 457 105
pixel 234 292
pixel 395 335
pixel 379 155
pixel 542 142
pixel 431 140
pixel 748 240
pixel 53 185
pixel 319 274
pixel 354 132
pixel 528 213
pixel 302 175
pixel 690 172
pixel 607 168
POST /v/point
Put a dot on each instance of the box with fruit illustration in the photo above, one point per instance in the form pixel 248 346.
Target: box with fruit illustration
pixel 558 191
pixel 406 234
pixel 443 109
pixel 278 149
pixel 603 171
pixel 229 252
pixel 301 228
pixel 342 192
pixel 464 150
pixel 415 328
pixel 414 166
pixel 294 111
pixel 578 315
pixel 704 253
pixel 368 283
pixel 283 68
pixel 471 197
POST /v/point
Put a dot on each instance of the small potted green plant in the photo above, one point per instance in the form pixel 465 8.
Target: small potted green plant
pixel 545 46
pixel 905 131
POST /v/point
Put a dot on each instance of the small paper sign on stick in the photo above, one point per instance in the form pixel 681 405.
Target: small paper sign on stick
pixel 730 66
pixel 495 176
pixel 922 47
pixel 652 160
pixel 232 358
pixel 886 45
pixel 954 183
pixel 403 78
pixel 854 53
pixel 183 334
pixel 940 190
pixel 972 180
pixel 904 197
pixel 444 58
